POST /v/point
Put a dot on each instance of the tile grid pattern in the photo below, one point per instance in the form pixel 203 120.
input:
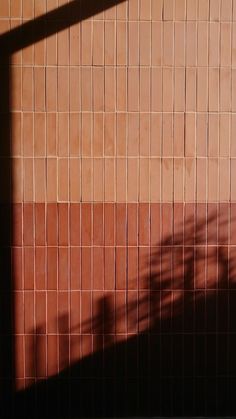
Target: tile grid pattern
pixel 123 165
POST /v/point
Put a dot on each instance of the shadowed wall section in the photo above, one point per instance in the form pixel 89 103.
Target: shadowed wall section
pixel 119 205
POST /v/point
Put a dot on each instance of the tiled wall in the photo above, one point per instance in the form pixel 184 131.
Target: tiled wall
pixel 123 159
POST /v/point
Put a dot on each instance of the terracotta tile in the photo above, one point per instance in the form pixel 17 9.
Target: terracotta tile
pixel 40 179
pixel 201 135
pixel 121 42
pixel 191 43
pixel 215 10
pixel 179 90
pixel 109 178
pixel 39 89
pixel 121 90
pixel 145 43
pixel 213 177
pixel 98 134
pixel 191 89
pixel 74 224
pixel 63 224
pixel 98 224
pixel 86 264
pixel 75 178
pixel 133 134
pixel 98 43
pixel 110 43
pixel 51 89
pixel 225 43
pixel 180 9
pixel 29 261
pixel 75 44
pixel 40 311
pixel 51 48
pixel 132 180
pixel 52 224
pixel 144 180
pixel 40 224
pixel 203 10
pixel 52 268
pixel 110 89
pixel 86 134
pixel 63 177
pixel 167 179
pixel 190 176
pixel 144 224
pixel 86 185
pixel 75 89
pixel 63 92
pixel 133 39
pixel 75 268
pixel 144 122
pixel 155 134
pixel 167 146
pixel 145 89
pixel 98 88
pixel 86 38
pixel 178 180
pixel 52 171
pixel 28 179
pixel 155 180
pixel 224 138
pixel 120 269
pixel 98 180
pixel 28 224
pixel 98 268
pixel 156 47
pixel 132 224
pixel 52 344
pixel 202 89
pixel 121 176
pixel 133 89
pixel 62 308
pixel 39 135
pixel 86 224
pixel 86 79
pixel 109 134
pixel 51 130
pixel 233 43
pixel 166 224
pixel 63 268
pixel 168 47
pixel 27 134
pixel 213 146
pixel 202 44
pixel 109 268
pixel 214 44
pixel 178 135
pixel 225 89
pixel 17 168
pixel 224 180
pixel 201 176
pixel 213 89
pixel 132 262
pixel 157 89
pixel 190 135
pixel 121 224
pixel 109 224
pixel 121 134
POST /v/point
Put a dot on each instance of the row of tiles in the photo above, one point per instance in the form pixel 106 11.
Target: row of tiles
pixel 113 89
pixel 132 9
pixel 109 224
pixel 135 43
pixel 120 180
pixel 128 134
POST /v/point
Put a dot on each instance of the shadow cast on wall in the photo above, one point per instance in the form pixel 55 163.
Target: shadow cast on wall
pixel 178 354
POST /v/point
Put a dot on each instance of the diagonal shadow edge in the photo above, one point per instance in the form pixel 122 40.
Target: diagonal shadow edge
pixel 10 42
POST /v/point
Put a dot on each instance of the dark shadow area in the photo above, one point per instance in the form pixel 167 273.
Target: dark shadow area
pixel 177 355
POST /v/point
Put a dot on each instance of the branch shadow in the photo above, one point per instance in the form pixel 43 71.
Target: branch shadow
pixel 175 355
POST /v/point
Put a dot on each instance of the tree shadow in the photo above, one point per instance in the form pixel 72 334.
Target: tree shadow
pixel 176 352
